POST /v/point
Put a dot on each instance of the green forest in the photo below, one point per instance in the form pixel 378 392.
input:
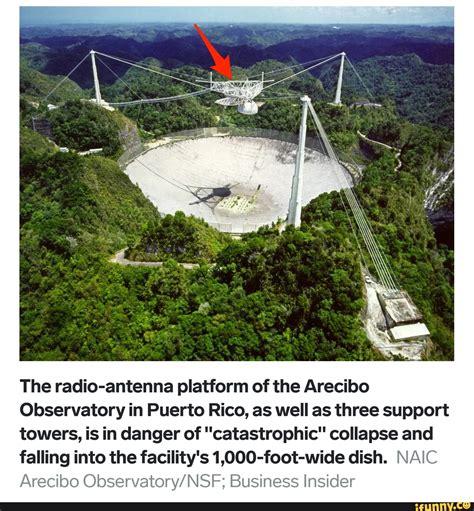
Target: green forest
pixel 270 295
pixel 184 239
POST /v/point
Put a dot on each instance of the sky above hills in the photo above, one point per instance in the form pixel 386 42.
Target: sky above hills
pixel 35 16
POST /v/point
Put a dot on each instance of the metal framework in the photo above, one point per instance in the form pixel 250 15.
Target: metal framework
pixel 239 90
pixel 239 93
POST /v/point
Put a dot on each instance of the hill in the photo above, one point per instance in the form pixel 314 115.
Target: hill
pixel 184 239
pixel 295 295
pixel 255 35
pixel 412 65
pixel 34 55
pixel 290 296
pixel 81 125
pixel 422 92
pixel 35 85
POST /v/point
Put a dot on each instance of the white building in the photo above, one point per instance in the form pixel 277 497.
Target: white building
pixel 411 332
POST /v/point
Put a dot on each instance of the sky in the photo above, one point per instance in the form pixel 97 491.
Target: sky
pixel 33 16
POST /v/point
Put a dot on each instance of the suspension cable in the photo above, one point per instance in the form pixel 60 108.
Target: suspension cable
pixel 285 68
pixel 360 78
pixel 161 100
pixel 152 70
pixel 118 77
pixel 384 272
pixel 303 71
pixel 65 78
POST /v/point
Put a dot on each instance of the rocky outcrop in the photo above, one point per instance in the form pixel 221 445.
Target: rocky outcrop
pixel 439 199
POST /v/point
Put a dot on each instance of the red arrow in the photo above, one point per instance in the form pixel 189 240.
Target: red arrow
pixel 221 64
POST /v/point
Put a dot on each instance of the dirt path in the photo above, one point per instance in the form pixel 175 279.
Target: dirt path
pixel 386 146
pixel 119 258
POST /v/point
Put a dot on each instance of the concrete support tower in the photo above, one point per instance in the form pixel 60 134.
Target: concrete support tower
pixel 337 99
pixel 294 207
pixel 98 97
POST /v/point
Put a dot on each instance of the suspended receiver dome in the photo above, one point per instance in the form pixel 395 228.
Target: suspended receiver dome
pixel 248 108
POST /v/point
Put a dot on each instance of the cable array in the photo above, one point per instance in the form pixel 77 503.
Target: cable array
pixel 65 78
pixel 303 71
pixel 384 272
pixel 160 100
pixel 153 69
pixel 359 77
pixel 285 68
pixel 118 78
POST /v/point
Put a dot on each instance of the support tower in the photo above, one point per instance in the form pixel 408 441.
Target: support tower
pixel 294 207
pixel 98 97
pixel 337 99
